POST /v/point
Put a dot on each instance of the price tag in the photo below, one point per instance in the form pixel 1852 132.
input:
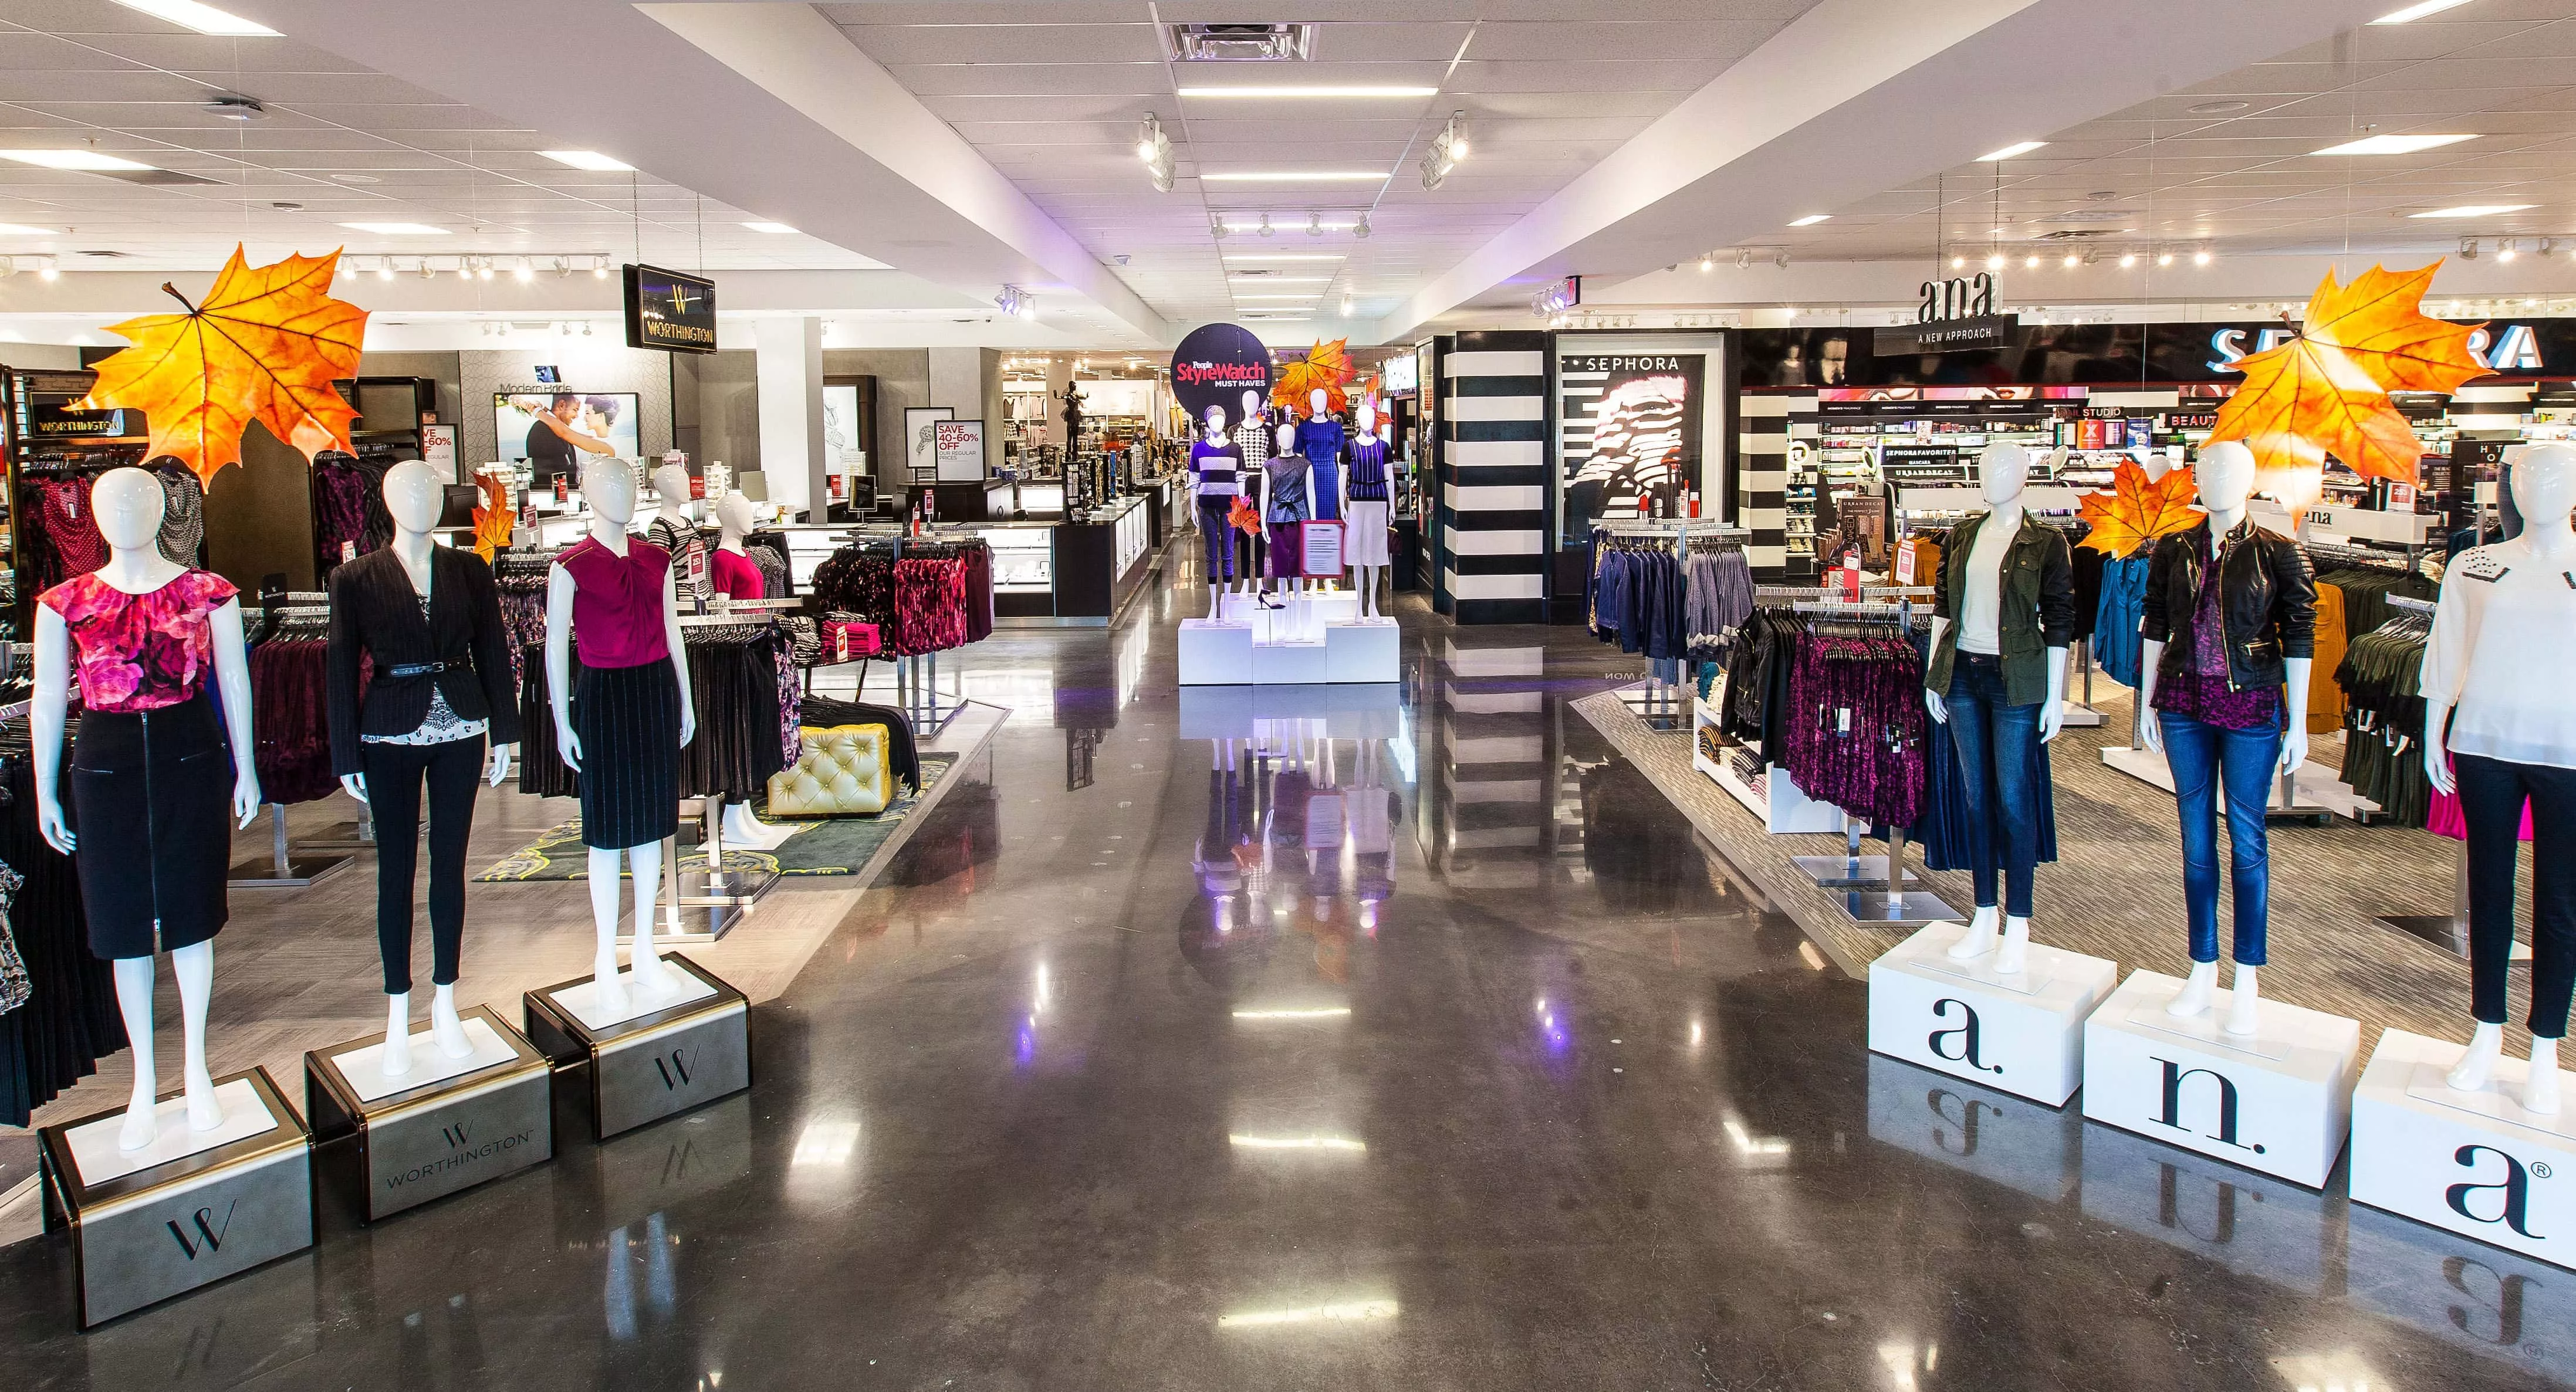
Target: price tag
pixel 1842 721
pixel 348 550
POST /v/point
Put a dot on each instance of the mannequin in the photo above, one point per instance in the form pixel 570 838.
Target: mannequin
pixel 1998 738
pixel 1365 500
pixel 1320 439
pixel 1252 445
pixel 149 804
pixel 374 601
pixel 2220 755
pixel 674 532
pixel 2496 678
pixel 1285 506
pixel 634 696
pixel 1216 481
pixel 733 575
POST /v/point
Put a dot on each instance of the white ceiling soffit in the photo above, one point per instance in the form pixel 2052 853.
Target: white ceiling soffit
pixel 643 92
pixel 1855 97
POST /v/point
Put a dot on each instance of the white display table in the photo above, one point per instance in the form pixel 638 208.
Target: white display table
pixel 2278 1101
pixel 2475 1163
pixel 2022 1033
pixel 1310 640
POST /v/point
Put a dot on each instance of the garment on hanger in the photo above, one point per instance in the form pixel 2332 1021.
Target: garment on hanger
pixel 2116 645
pixel 349 517
pixel 183 515
pixel 690 575
pixel 776 580
pixel 1719 587
pixel 15 987
pixel 1855 733
pixel 63 514
pixel 735 575
pixel 290 697
pixel 733 687
pixel 70 1018
pixel 2380 675
pixel 2325 693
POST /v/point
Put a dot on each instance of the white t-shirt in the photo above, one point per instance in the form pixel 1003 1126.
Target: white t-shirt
pixel 2503 652
pixel 1981 608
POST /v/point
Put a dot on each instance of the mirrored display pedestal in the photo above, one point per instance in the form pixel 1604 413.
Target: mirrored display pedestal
pixel 662 1055
pixel 445 1124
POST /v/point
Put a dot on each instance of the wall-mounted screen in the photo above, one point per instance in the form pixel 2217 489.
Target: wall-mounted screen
pixel 556 431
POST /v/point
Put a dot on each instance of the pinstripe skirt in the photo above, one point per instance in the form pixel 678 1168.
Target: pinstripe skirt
pixel 628 721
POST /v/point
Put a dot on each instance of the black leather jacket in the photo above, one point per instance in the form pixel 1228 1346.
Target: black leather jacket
pixel 2267 597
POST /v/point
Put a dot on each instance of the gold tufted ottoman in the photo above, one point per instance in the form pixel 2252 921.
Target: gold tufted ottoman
pixel 841 772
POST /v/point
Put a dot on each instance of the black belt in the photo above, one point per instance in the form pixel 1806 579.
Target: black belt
pixel 423 669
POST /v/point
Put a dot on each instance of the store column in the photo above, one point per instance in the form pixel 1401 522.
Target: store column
pixel 791 408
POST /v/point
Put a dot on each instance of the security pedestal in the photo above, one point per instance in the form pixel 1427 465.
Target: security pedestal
pixel 2022 1033
pixel 2278 1101
pixel 666 1055
pixel 447 1124
pixel 191 1208
pixel 2475 1163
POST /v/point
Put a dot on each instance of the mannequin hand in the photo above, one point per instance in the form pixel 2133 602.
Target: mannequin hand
pixel 2052 719
pixel 245 797
pixel 2437 770
pixel 50 825
pixel 2294 745
pixel 567 745
pixel 501 754
pixel 688 725
pixel 2154 729
pixel 355 785
pixel 1940 709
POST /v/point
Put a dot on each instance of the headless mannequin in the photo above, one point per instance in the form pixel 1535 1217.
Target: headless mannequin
pixel 2002 472
pixel 610 487
pixel 2544 491
pixel 2226 480
pixel 1216 579
pixel 671 482
pixel 128 504
pixel 1316 401
pixel 1254 482
pixel 1364 576
pixel 741 826
pixel 413 496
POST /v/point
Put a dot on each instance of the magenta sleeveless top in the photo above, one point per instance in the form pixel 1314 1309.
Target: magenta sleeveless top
pixel 617 602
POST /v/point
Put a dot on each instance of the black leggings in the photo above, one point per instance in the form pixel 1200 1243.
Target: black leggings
pixel 2491 797
pixel 395 773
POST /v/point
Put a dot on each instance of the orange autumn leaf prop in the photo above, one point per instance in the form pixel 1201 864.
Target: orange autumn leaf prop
pixel 1328 366
pixel 264 345
pixel 2326 391
pixel 493 515
pixel 1244 518
pixel 2137 510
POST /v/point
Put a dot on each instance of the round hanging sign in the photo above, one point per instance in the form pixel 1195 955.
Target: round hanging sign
pixel 1215 366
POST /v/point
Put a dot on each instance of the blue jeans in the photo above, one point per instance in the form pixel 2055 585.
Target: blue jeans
pixel 2203 758
pixel 1998 748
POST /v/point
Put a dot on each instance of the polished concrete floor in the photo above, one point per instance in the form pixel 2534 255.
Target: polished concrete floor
pixel 1101 1091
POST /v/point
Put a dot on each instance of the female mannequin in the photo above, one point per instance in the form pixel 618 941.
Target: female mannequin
pixel 1252 445
pixel 613 594
pixel 2497 672
pixel 1319 438
pixel 1365 500
pixel 1285 506
pixel 2229 621
pixel 430 616
pixel 2003 616
pixel 734 575
pixel 1216 481
pixel 675 533
pixel 148 802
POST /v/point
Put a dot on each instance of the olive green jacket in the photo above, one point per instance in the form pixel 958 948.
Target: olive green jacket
pixel 2037 606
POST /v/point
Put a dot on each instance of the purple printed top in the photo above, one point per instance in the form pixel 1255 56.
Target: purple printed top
pixel 2200 691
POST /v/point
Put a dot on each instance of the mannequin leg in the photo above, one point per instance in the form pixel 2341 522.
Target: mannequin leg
pixel 396 1058
pixel 2015 742
pixel 2191 753
pixel 454 769
pixel 2553 927
pixel 194 965
pixel 646 960
pixel 394 777
pixel 2540 1089
pixel 1972 736
pixel 134 1001
pixel 603 913
pixel 445 1025
pixel 2491 799
pixel 2475 1067
pixel 2197 989
pixel 2244 999
pixel 2246 761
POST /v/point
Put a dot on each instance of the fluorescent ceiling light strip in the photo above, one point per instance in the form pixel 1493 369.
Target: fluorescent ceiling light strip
pixel 2406 15
pixel 2393 144
pixel 397 229
pixel 90 160
pixel 11 229
pixel 1252 277
pixel 205 19
pixel 1340 1143
pixel 775 229
pixel 1296 176
pixel 1319 90
pixel 1349 1311
pixel 1809 220
pixel 1322 1013
pixel 591 160
pixel 1303 295
pixel 2474 210
pixel 2011 152
pixel 1286 256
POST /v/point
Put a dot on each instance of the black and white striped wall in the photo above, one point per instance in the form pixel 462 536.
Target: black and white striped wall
pixel 1494 489
pixel 1762 477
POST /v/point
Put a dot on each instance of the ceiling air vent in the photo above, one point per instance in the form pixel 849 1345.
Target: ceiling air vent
pixel 2079 234
pixel 105 254
pixel 1241 43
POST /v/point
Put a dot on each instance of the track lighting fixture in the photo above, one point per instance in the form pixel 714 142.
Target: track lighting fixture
pixel 1017 302
pixel 524 272
pixel 1360 229
pixel 2128 259
pixel 1744 260
pixel 2201 257
pixel 2071 261
pixel 1780 259
pixel 1958 263
pixel 1448 150
pixel 1707 262
pixel 1314 224
pixel 1266 229
pixel 2505 250
pixel 1217 227
pixel 1346 305
pixel 1155 149
pixel 1994 261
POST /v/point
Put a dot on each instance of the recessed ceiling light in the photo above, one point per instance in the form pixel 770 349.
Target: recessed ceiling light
pixel 2217 108
pixel 205 19
pixel 2412 12
pixel 355 179
pixel 1295 176
pixel 775 229
pixel 71 159
pixel 1232 258
pixel 1301 90
pixel 591 160
pixel 1308 295
pixel 2010 152
pixel 2474 210
pixel 2393 144
pixel 1809 220
pixel 11 229
pixel 397 229
pixel 1268 279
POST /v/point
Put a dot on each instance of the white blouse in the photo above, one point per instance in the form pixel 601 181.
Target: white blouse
pixel 2503 652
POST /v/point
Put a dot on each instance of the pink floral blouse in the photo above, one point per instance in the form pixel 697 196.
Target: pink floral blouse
pixel 140 652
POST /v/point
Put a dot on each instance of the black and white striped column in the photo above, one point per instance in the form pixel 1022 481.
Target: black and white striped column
pixel 1762 482
pixel 1494 498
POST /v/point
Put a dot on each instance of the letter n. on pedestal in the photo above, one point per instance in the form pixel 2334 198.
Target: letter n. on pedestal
pixel 2022 1034
pixel 2278 1101
pixel 2475 1163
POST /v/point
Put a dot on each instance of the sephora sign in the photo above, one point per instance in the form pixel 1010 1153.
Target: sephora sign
pixel 1215 366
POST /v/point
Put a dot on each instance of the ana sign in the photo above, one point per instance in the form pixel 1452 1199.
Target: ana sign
pixel 1954 316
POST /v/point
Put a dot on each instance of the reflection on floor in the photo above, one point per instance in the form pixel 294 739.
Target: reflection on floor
pixel 1403 1042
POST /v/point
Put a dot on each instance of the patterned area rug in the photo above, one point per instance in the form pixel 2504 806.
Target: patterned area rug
pixel 821 846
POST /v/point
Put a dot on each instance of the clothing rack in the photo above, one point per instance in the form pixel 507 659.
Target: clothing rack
pixel 303 863
pixel 2449 931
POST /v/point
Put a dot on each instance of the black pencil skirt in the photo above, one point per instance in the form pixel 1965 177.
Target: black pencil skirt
pixel 151 808
pixel 628 722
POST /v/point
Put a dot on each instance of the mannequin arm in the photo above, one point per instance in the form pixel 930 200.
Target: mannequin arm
pixel 679 656
pixel 45 716
pixel 1932 699
pixel 559 665
pixel 232 677
pixel 2052 713
pixel 2294 742
pixel 2437 752
pixel 2150 656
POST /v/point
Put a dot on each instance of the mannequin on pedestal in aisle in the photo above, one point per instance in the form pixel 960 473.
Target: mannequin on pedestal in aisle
pixel 148 797
pixel 430 617
pixel 1365 501
pixel 1252 443
pixel 2228 622
pixel 1216 480
pixel 674 532
pixel 2003 616
pixel 1320 439
pixel 620 723
pixel 733 575
pixel 2498 672
pixel 1286 504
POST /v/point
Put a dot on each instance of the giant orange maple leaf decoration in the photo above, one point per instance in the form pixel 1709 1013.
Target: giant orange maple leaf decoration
pixel 2326 391
pixel 493 515
pixel 2137 509
pixel 1327 365
pixel 264 345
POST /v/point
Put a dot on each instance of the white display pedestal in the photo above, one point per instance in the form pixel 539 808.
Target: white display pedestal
pixel 1215 653
pixel 1348 652
pixel 2022 1033
pixel 2008 1140
pixel 1363 650
pixel 2474 1163
pixel 1321 607
pixel 2278 1101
